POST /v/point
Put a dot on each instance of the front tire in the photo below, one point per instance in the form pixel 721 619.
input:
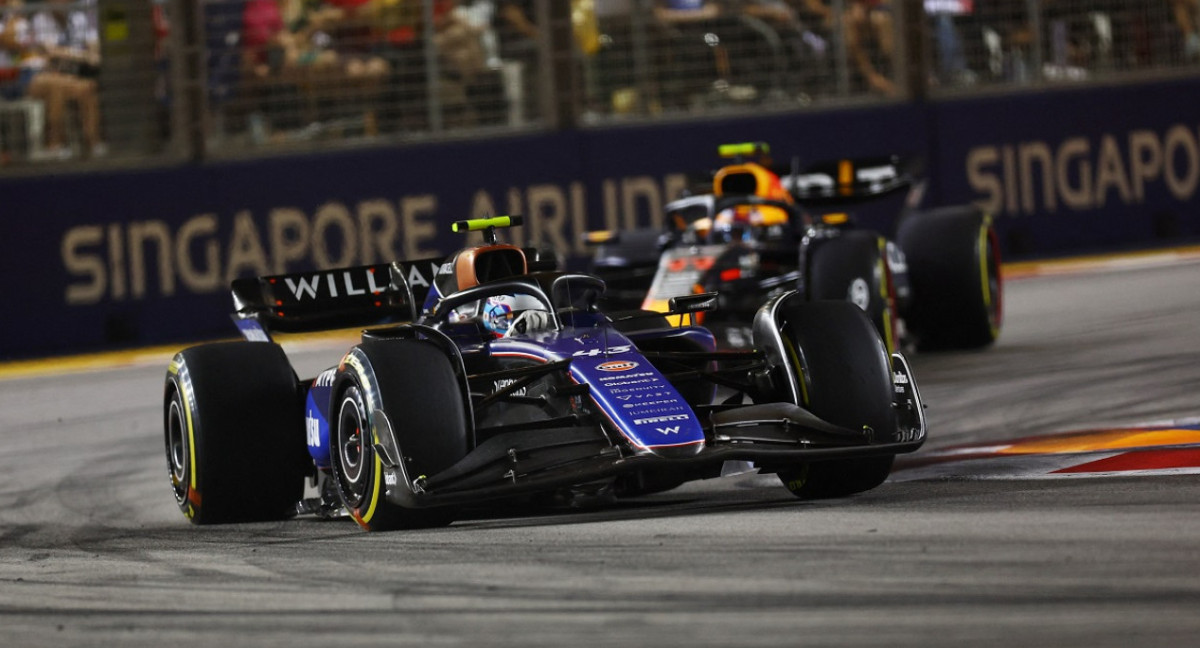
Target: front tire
pixel 407 388
pixel 844 373
pixel 234 433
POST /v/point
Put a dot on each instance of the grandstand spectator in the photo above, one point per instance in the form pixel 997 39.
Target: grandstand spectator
pixel 1186 16
pixel 719 52
pixel 949 20
pixel 802 29
pixel 69 43
pixel 291 53
pixel 870 43
pixel 15 72
pixel 462 65
pixel 611 68
pixel 517 35
pixel 397 37
pixel 1006 31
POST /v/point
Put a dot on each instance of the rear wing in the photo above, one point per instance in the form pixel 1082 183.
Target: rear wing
pixel 847 181
pixel 329 299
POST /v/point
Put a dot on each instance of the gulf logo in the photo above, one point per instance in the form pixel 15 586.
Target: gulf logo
pixel 617 365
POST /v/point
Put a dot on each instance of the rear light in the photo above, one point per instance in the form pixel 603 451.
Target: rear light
pixel 731 274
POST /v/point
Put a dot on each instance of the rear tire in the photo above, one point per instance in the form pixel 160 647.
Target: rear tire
pixel 953 260
pixel 417 392
pixel 845 373
pixel 234 432
pixel 852 267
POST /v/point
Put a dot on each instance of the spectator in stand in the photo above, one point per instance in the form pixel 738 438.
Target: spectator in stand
pixel 517 42
pixel 288 47
pixel 697 59
pixel 462 64
pixel 870 43
pixel 398 38
pixel 15 71
pixel 69 43
pixel 1186 15
pixel 803 28
pixel 612 86
pixel 14 48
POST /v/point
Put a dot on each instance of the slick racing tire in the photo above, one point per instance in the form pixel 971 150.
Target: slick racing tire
pixel 845 375
pixel 234 431
pixel 852 267
pixel 953 261
pixel 405 388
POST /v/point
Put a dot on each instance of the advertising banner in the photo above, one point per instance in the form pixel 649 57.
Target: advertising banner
pixel 128 258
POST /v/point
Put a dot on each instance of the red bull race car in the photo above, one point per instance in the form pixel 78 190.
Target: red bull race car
pixel 758 231
pixel 490 375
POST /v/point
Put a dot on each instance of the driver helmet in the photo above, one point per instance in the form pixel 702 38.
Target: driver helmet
pixel 733 223
pixel 500 310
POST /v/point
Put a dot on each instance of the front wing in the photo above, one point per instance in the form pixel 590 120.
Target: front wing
pixel 773 436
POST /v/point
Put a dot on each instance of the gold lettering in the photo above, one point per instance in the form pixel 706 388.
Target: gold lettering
pixel 195 280
pixel 139 234
pixel 245 249
pixel 1179 138
pixel 79 263
pixel 983 179
pixel 1080 197
pixel 1110 172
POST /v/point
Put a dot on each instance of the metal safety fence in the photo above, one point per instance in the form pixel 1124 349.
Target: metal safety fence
pixel 98 83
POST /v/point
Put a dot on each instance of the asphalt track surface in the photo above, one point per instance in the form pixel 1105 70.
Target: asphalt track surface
pixel 93 551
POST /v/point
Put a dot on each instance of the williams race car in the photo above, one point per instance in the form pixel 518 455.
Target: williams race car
pixel 761 231
pixel 508 381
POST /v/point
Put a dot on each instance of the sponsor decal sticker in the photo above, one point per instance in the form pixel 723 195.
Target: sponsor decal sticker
pixel 312 429
pixel 661 419
pixel 859 293
pixel 617 365
pixel 612 350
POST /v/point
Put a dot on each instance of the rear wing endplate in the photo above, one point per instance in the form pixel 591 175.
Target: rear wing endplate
pixel 847 181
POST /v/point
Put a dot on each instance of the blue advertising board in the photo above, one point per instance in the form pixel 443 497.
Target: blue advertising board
pixel 129 258
pixel 1076 170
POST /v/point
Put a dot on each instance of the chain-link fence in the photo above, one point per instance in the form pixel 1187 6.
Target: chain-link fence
pixel 78 77
pixel 1021 42
pixel 98 82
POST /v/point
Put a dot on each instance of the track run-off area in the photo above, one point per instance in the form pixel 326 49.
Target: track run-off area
pixel 1056 503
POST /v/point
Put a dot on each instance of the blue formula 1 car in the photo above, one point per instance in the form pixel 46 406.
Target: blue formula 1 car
pixel 508 381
